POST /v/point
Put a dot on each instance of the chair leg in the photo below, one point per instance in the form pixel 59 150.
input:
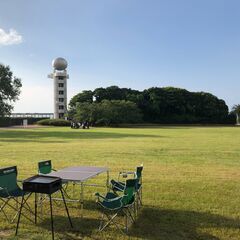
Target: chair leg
pixel 19 216
pixel 101 222
pixel 126 222
pixel 130 214
pixel 5 203
pixel 135 210
pixel 111 219
pixel 13 206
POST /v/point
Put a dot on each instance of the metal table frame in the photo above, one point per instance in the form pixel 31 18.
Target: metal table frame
pixel 79 175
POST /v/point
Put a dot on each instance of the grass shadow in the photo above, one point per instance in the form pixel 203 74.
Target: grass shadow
pixel 169 224
pixel 82 227
pixel 50 136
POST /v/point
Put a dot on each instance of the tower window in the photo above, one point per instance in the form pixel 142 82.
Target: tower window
pixel 60 92
pixel 61 78
pixel 61 85
pixel 61 99
pixel 61 107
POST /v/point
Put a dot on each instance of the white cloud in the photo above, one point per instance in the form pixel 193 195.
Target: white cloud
pixel 10 38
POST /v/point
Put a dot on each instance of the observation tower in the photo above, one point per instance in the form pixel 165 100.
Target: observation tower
pixel 59 76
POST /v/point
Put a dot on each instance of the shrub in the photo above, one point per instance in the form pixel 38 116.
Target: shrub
pixel 54 122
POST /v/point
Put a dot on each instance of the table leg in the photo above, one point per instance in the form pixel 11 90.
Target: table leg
pixel 81 200
pixel 73 190
pixel 50 198
pixel 19 215
pixel 107 180
pixel 66 208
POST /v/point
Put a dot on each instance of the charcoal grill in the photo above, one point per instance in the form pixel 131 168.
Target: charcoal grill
pixel 43 185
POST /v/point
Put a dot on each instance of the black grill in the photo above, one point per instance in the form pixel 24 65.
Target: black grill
pixel 42 184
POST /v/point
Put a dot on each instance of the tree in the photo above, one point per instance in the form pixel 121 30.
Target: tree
pixel 9 89
pixel 236 110
pixel 82 97
pixel 108 112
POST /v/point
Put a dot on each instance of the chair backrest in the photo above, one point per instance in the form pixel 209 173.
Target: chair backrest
pixel 45 167
pixel 139 172
pixel 8 178
pixel 129 191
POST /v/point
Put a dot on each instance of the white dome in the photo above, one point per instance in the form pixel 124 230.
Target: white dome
pixel 59 64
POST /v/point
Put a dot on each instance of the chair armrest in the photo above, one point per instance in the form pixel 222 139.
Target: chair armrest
pixel 125 174
pixel 54 170
pixel 98 195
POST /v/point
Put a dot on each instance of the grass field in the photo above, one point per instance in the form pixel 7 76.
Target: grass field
pixel 191 178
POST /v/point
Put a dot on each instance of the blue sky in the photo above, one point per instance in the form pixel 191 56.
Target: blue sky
pixel 192 44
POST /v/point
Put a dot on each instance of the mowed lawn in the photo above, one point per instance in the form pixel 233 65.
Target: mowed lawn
pixel 191 179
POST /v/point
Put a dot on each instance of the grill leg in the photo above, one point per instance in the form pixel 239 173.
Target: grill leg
pixel 66 208
pixel 35 208
pixel 50 197
pixel 19 215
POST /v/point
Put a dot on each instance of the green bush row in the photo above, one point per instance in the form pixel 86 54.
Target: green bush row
pixel 54 122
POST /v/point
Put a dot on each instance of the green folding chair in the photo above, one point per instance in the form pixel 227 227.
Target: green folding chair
pixel 10 192
pixel 119 186
pixel 112 205
pixel 45 167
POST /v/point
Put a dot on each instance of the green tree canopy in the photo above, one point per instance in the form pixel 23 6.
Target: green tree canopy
pixel 9 89
pixel 162 105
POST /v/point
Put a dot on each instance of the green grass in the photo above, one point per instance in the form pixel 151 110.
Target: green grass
pixel 191 178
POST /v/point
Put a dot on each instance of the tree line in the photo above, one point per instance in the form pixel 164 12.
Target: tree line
pixel 114 105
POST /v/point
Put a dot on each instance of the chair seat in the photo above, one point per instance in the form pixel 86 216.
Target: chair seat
pixel 18 192
pixel 111 201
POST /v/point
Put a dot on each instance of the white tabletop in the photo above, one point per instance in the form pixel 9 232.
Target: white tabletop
pixel 78 173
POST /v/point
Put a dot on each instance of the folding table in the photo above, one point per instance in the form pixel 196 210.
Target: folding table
pixel 80 174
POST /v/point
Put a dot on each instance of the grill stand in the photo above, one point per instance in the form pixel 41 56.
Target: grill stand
pixel 51 210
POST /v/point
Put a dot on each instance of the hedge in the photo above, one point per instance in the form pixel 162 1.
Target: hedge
pixel 54 122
